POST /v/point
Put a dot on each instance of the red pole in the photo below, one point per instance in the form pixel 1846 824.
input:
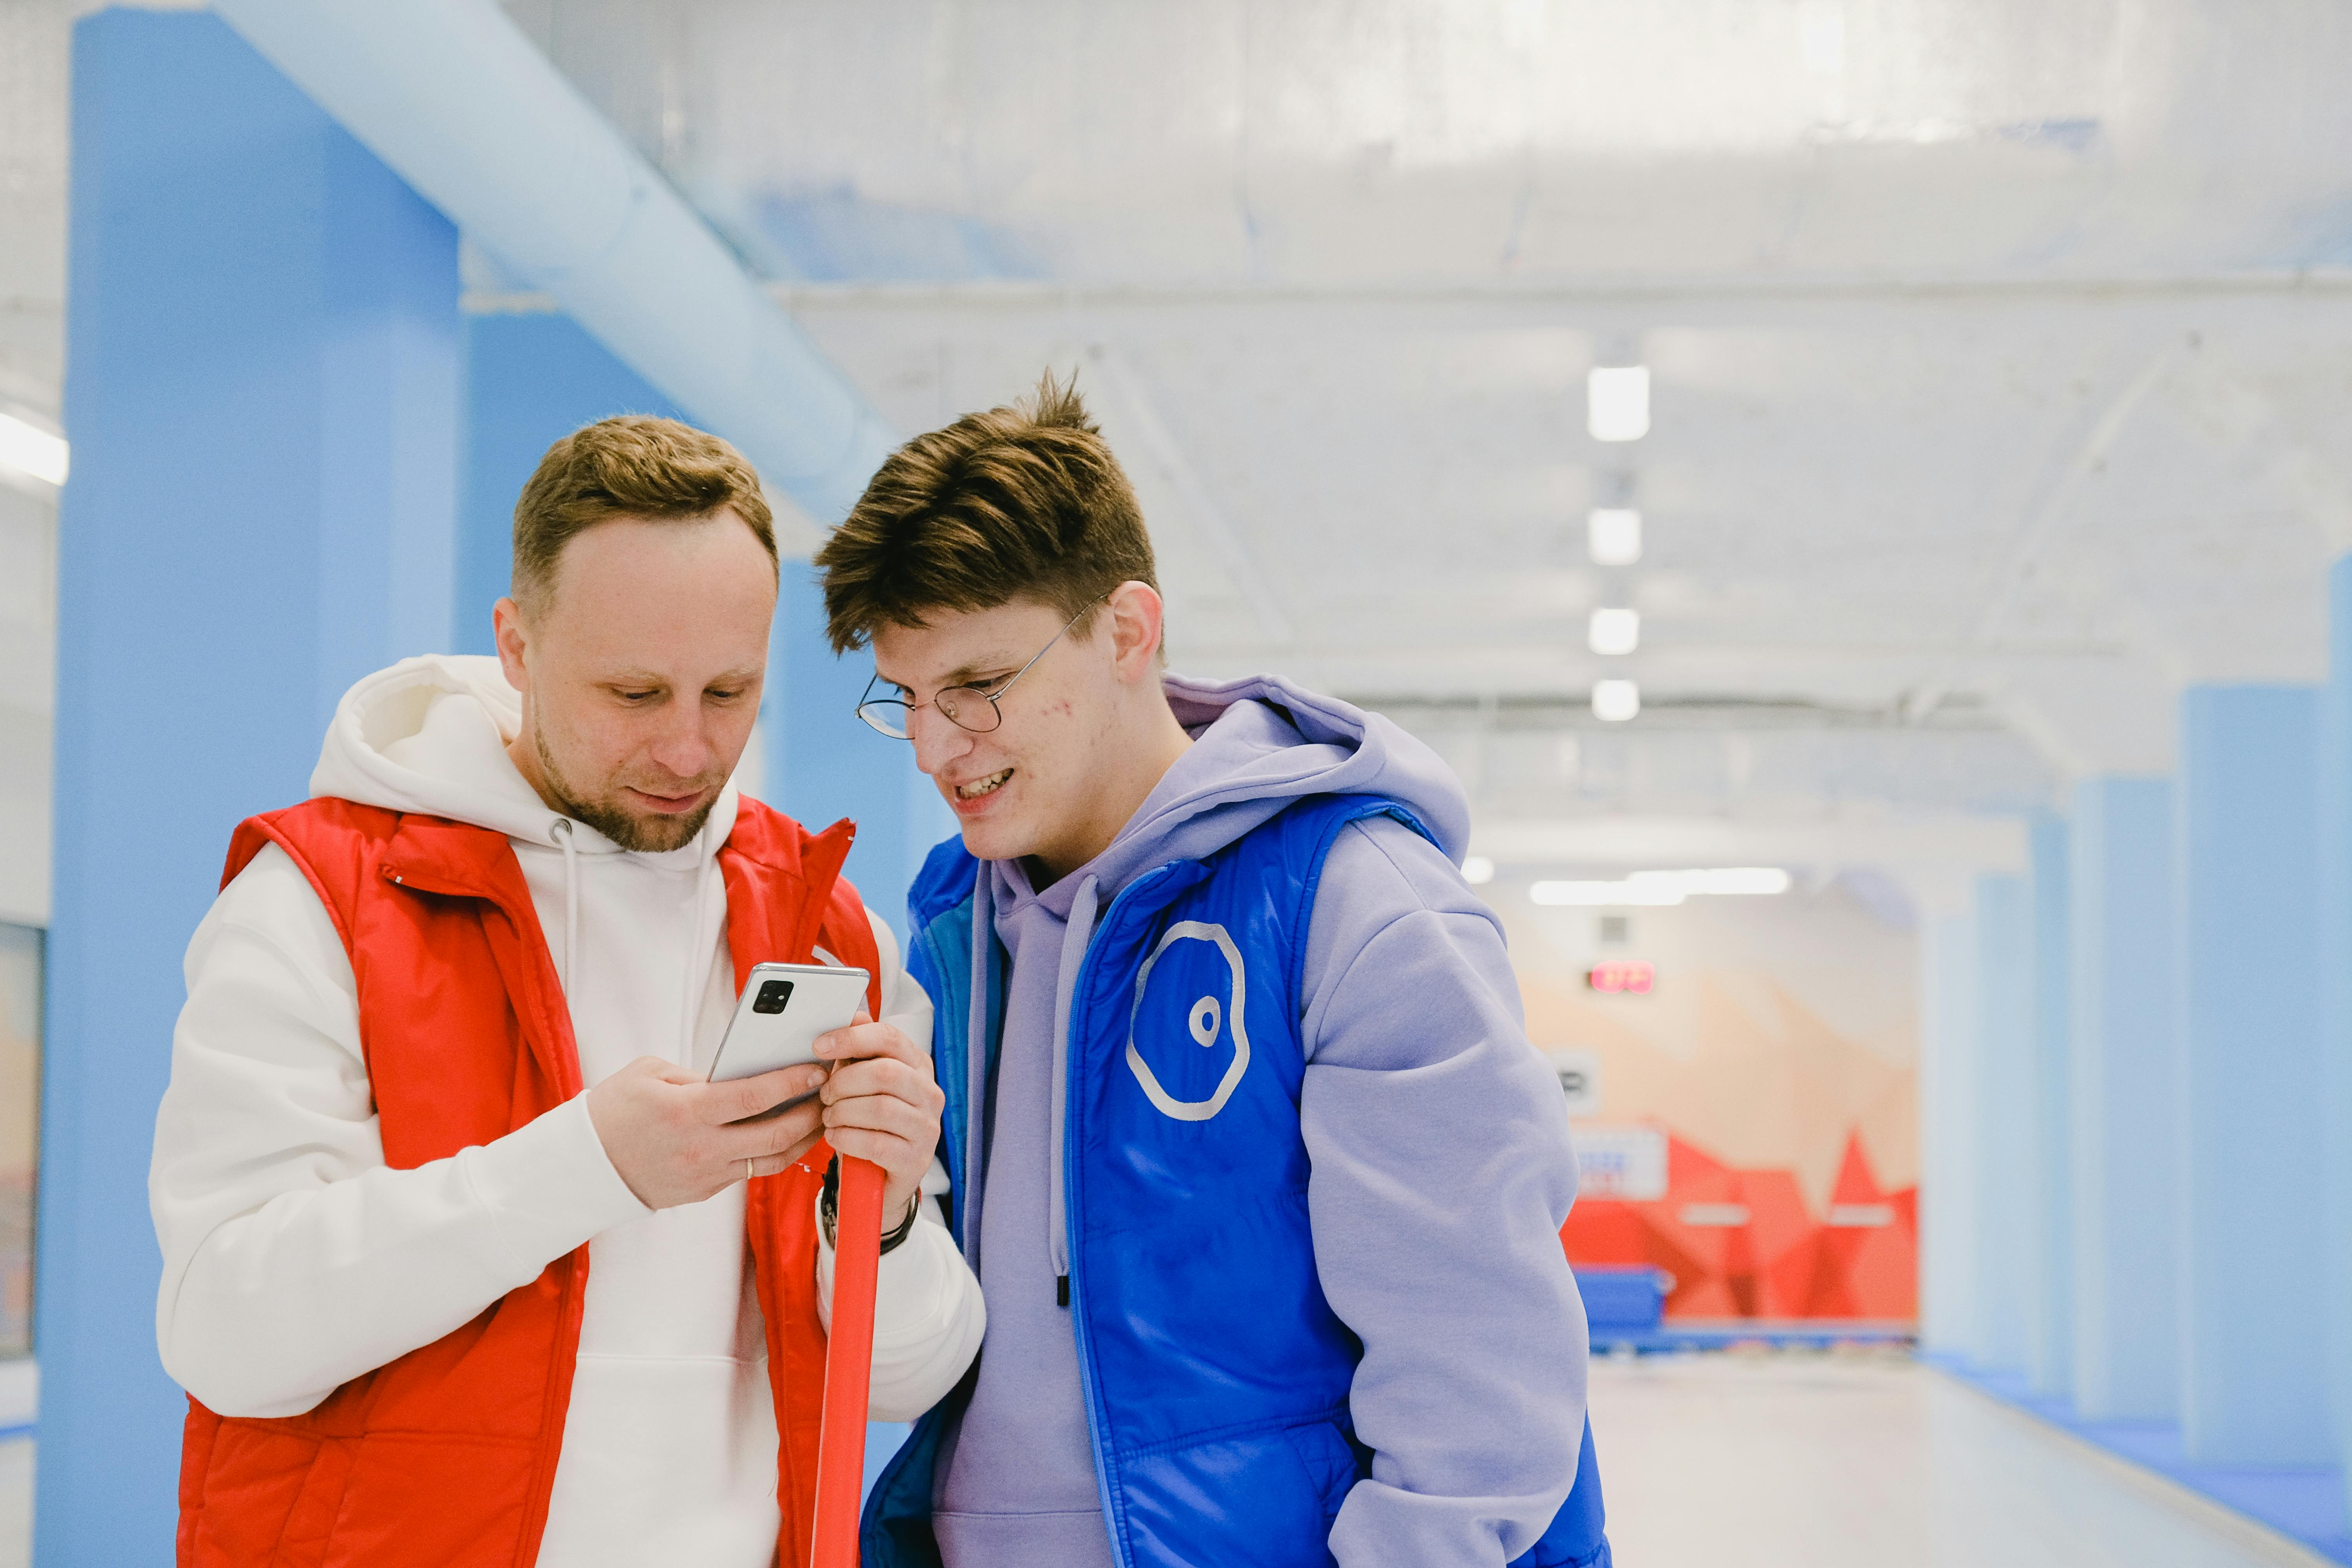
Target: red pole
pixel 848 1363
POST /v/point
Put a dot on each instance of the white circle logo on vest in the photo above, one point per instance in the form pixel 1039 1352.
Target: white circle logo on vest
pixel 1203 1021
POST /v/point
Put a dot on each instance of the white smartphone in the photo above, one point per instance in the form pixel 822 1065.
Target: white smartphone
pixel 783 1008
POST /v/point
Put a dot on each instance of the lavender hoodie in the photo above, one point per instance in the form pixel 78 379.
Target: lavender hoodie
pixel 1440 1156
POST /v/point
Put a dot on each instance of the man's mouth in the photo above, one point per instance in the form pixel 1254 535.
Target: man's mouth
pixel 978 787
pixel 669 805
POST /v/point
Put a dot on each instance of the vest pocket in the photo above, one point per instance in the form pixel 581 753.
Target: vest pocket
pixel 1263 1496
pixel 311 1523
pixel 1330 1462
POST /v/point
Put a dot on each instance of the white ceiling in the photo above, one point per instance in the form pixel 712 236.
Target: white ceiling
pixel 1998 348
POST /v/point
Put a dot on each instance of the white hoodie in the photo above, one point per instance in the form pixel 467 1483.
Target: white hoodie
pixel 295 1260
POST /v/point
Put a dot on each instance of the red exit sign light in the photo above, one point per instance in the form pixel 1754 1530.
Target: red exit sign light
pixel 1625 976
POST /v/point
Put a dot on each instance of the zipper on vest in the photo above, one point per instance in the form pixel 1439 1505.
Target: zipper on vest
pixel 1078 948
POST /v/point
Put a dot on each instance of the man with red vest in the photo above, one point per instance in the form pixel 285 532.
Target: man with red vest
pixel 464 1262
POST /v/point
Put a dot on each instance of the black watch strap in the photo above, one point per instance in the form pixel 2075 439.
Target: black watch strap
pixel 829 1210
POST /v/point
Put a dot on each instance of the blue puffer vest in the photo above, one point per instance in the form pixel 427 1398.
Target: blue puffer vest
pixel 1216 1376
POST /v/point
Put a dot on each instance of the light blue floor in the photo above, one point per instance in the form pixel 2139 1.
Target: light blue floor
pixel 1871 1459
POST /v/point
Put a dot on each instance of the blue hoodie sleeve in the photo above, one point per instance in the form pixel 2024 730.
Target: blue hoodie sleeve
pixel 1441 1175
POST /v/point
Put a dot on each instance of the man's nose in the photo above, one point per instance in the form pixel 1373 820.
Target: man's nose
pixel 685 746
pixel 937 740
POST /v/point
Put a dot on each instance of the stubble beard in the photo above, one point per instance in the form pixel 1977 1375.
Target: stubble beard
pixel 645 834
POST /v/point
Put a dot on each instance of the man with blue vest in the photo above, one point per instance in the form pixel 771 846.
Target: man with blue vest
pixel 1261 1178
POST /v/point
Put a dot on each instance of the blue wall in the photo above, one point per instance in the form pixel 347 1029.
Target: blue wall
pixel 2050 1328
pixel 530 380
pixel 2124 1105
pixel 2335 937
pixel 2007 1215
pixel 2254 1329
pixel 261 389
pixel 1948 1191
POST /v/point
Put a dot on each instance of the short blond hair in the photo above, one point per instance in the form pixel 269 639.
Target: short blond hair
pixel 632 465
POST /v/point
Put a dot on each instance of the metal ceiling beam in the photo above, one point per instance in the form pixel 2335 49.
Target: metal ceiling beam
pixel 454 97
pixel 1013 295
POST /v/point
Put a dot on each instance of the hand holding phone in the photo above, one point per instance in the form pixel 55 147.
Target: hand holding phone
pixel 678 1136
pixel 783 1009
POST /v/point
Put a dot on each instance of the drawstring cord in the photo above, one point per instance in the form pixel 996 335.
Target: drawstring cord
pixel 697 974
pixel 563 830
pixel 1074 937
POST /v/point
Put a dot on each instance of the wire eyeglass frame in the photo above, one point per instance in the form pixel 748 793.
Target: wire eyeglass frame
pixel 893 716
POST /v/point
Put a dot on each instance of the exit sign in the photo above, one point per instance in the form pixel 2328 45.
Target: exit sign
pixel 1625 976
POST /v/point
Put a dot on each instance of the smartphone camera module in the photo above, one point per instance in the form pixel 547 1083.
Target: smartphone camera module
pixel 773 994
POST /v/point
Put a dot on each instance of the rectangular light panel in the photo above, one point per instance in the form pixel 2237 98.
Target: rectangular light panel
pixel 1618 402
pixel 1614 535
pixel 1613 632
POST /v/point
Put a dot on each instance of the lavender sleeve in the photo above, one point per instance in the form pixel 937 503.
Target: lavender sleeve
pixel 1441 1175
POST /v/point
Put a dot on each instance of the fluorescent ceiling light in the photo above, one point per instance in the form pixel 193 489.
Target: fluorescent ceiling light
pixel 1614 631
pixel 1614 702
pixel 1824 32
pixel 1476 870
pixel 1661 889
pixel 1595 895
pixel 29 449
pixel 1614 533
pixel 1728 879
pixel 1618 399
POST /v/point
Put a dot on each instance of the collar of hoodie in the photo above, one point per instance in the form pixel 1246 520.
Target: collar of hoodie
pixel 564 833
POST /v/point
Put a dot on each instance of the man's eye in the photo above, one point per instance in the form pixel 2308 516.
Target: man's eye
pixel 638 696
pixel 718 694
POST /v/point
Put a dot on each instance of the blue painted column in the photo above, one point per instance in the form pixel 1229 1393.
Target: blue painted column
pixel 2006 1125
pixel 2335 936
pixel 1948 1137
pixel 261 393
pixel 2253 1327
pixel 2123 1104
pixel 532 379
pixel 2050 1328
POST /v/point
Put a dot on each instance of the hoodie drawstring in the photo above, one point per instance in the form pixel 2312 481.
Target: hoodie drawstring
pixel 1074 937
pixel 698 957
pixel 563 830
pixel 697 974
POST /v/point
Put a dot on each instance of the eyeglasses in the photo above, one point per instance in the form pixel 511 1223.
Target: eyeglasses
pixel 969 708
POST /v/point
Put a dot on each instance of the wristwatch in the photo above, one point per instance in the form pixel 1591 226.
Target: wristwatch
pixel 829 1206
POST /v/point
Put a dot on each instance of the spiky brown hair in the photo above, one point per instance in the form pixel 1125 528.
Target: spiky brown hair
pixel 1021 502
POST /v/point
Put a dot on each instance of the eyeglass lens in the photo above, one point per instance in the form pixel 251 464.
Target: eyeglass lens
pixel 963 706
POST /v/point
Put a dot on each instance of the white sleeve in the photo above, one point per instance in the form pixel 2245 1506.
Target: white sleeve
pixel 294 1258
pixel 928 1315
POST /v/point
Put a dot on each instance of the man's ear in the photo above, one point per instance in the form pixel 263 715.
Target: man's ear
pixel 506 627
pixel 1137 622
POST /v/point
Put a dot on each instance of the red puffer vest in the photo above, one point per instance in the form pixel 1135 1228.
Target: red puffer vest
pixel 446 1457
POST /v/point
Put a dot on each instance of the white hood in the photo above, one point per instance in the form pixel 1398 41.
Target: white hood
pixel 429 735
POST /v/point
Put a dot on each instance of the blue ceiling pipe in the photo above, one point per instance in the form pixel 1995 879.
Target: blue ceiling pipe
pixel 454 97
